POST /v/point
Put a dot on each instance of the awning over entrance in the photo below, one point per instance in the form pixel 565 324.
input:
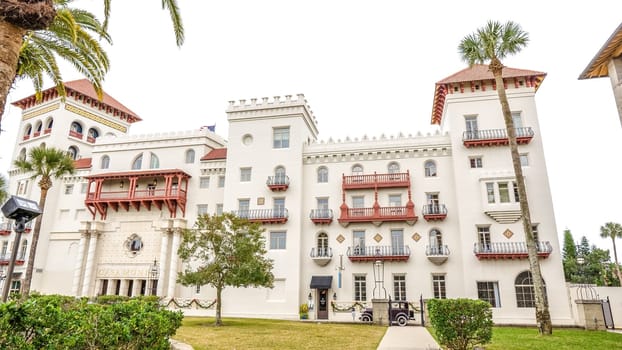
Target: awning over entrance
pixel 321 282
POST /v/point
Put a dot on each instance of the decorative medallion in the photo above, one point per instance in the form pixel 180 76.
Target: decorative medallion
pixel 133 245
pixel 508 234
pixel 416 237
pixel 340 238
pixel 377 238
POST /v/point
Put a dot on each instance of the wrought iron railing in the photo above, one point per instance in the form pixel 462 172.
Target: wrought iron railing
pixel 493 134
pixel 319 214
pixel 261 214
pixel 434 209
pixel 378 251
pixel 277 180
pixel 543 247
pixel 321 252
pixel 433 250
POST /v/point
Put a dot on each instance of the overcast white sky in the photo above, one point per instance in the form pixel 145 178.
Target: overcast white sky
pixel 368 67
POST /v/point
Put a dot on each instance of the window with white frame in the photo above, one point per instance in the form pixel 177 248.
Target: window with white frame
pixel 516 196
pixel 69 189
pixel 245 174
pixel 278 240
pixel 279 207
pixel 438 286
pixel 357 169
pixel 22 187
pixel 489 291
pixel 280 137
pixel 393 168
pixel 358 205
pixel 322 245
pixel 395 200
pixel 137 164
pixel 517 119
pixel 430 168
pixel 436 242
pixel 525 292
pixel 221 181
pixel 534 230
pixel 524 159
pixel 322 174
pixel 360 288
pixel 3 252
pixel 243 207
pixel 358 240
pixel 84 187
pixel 219 209
pixel 154 161
pixel 503 191
pixel 475 162
pixel 397 241
pixel 483 238
pixel 471 127
pixel 201 209
pixel 399 287
pixel 190 156
pixel 204 182
pixel 105 162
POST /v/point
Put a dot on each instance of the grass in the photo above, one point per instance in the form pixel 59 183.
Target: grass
pixel 514 338
pixel 245 333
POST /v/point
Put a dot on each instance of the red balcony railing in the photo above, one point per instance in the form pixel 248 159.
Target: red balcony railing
pixel 90 139
pixel 352 182
pixel 509 250
pixel 381 252
pixel 495 137
pixel 47 131
pixel 264 216
pixel 76 134
pixel 278 183
pixel 321 216
pixel 378 214
pixel 36 134
pixel 434 212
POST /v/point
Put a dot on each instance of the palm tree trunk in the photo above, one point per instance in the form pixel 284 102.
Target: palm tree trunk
pixel 11 38
pixel 615 258
pixel 543 316
pixel 33 244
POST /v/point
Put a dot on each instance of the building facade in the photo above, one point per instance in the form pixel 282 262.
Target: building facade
pixel 405 217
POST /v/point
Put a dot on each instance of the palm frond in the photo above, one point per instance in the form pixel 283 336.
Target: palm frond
pixel 178 26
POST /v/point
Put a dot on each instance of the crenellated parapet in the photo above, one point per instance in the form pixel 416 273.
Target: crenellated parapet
pixel 160 137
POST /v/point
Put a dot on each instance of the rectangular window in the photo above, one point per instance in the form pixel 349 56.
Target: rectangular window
pixel 219 209
pixel 395 200
pixel 5 247
pixel 504 192
pixel 22 187
pixel 516 196
pixel 201 209
pixel 204 182
pixel 397 241
pixel 475 162
pixel 322 203
pixel 280 137
pixel 358 202
pixel 490 191
pixel 243 207
pixel 83 187
pixel 399 287
pixel 358 240
pixel 68 189
pixel 524 159
pixel 518 121
pixel 483 237
pixel 277 240
pixel 534 230
pixel 279 207
pixel 438 285
pixel 489 291
pixel 471 127
pixel 245 174
pixel 221 181
pixel 360 288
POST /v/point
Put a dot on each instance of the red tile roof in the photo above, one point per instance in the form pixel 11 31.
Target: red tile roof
pixel 82 163
pixel 598 66
pixel 476 73
pixel 84 88
pixel 216 153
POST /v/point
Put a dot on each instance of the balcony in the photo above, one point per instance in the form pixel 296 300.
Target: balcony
pixel 437 254
pixel 509 250
pixel 278 183
pixel 36 134
pixel 373 181
pixel 76 134
pixel 495 137
pixel 321 216
pixel 19 260
pixel 90 139
pixel 138 190
pixel 47 131
pixel 263 216
pixel 434 212
pixel 321 256
pixel 377 215
pixel 381 252
pixel 7 227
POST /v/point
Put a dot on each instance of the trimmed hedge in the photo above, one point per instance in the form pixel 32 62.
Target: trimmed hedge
pixel 62 322
pixel 461 324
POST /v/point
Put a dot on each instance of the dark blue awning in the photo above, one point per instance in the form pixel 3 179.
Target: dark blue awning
pixel 321 282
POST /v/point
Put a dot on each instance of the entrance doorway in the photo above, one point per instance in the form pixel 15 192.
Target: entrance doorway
pixel 322 305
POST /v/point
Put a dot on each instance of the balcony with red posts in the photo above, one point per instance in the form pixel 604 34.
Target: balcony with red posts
pixel 76 134
pixel 495 137
pixel 380 252
pixel 6 228
pixel 321 216
pixel 263 216
pixel 434 212
pixel 509 250
pixel 278 183
pixel 138 190
pixel 19 260
pixel 373 181
pixel 377 214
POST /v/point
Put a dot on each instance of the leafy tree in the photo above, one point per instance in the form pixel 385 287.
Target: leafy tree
pixel 613 230
pixel 20 18
pixel 461 324
pixel 44 163
pixel 492 43
pixel 225 251
pixel 596 267
pixel 3 190
pixel 569 256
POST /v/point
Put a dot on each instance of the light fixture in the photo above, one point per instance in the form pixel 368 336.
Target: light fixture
pixel 335 296
pixel 310 296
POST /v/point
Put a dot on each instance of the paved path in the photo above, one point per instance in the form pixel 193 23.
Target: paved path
pixel 410 337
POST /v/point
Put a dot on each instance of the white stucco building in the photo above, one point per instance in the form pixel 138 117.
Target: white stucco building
pixel 439 211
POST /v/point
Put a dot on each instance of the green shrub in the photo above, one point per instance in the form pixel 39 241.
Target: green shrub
pixel 461 324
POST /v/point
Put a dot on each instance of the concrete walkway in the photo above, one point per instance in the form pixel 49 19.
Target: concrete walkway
pixel 409 337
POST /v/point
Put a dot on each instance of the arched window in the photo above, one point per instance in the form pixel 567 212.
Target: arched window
pixel 93 133
pixel 190 156
pixel 105 162
pixel 436 241
pixel 76 127
pixel 322 174
pixel 22 154
pixel 27 131
pixel 137 163
pixel 154 161
pixel 48 125
pixel 73 152
pixel 393 168
pixel 38 127
pixel 279 175
pixel 357 169
pixel 430 168
pixel 525 294
pixel 322 244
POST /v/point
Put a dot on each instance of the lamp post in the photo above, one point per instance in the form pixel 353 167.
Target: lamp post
pixel 154 273
pixel 21 210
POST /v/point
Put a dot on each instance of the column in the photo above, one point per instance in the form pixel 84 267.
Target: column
pixel 77 270
pixel 90 262
pixel 172 271
pixel 162 273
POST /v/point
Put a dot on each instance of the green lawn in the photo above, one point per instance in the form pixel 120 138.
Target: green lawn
pixel 512 338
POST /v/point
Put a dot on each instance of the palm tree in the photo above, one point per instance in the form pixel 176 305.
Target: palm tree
pixel 490 44
pixel 44 163
pixel 613 230
pixel 19 18
pixel 3 192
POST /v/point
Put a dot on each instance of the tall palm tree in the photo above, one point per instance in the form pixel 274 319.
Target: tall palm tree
pixel 45 163
pixel 18 18
pixel 3 191
pixel 490 44
pixel 613 230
